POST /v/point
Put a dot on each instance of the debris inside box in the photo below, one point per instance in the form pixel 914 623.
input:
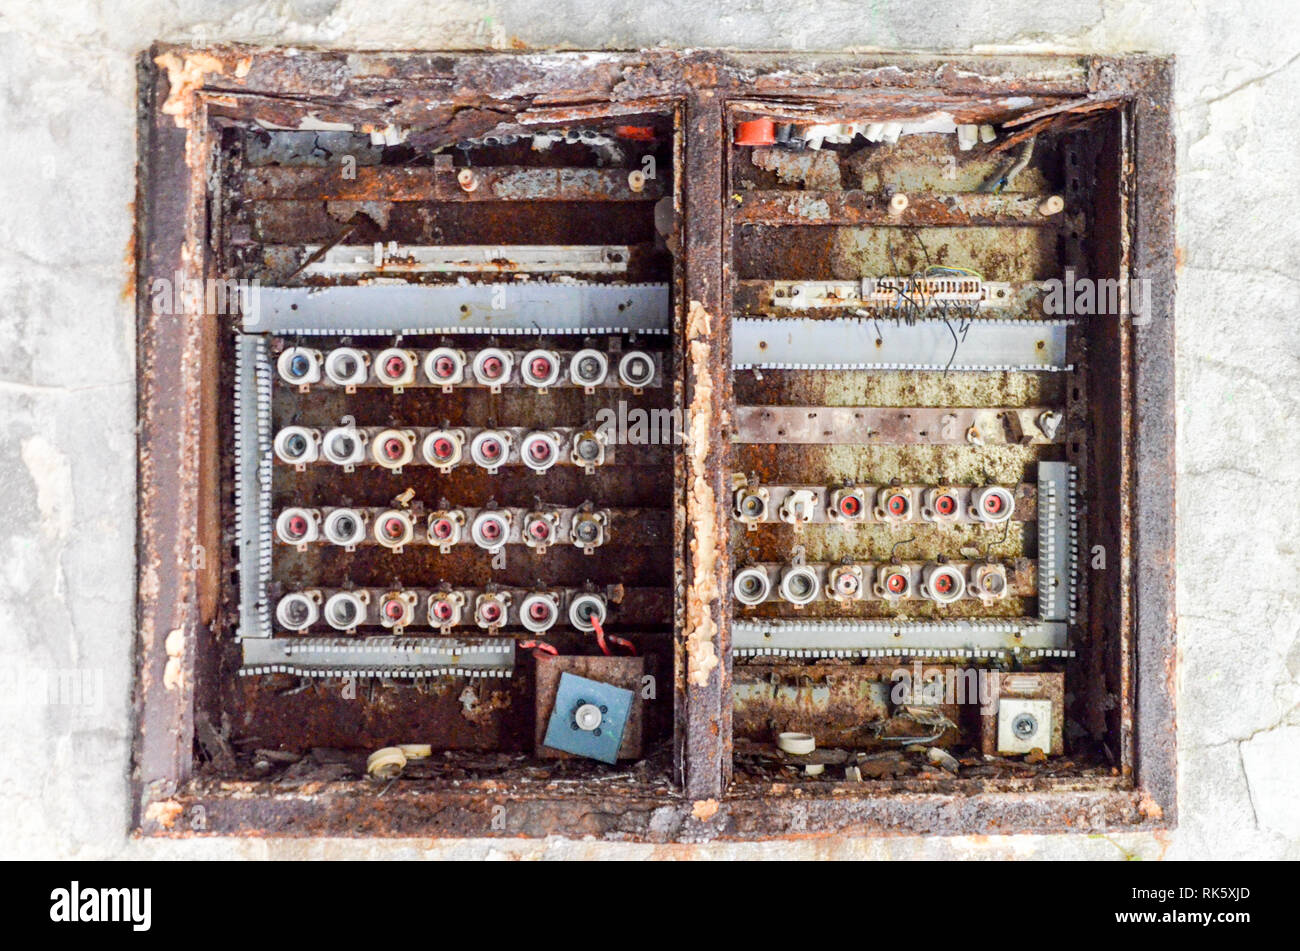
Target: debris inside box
pixel 758 763
pixel 881 720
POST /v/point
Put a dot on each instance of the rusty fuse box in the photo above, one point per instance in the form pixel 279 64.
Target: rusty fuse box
pixel 656 445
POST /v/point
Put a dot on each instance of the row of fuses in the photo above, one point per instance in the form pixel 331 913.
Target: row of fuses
pixel 493 367
pixel 536 611
pixel 489 449
pixel 489 529
pixel 989 504
pixel 801 584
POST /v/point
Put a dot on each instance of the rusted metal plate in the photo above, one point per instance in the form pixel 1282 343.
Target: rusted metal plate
pixel 704 711
pixel 834 704
pixel 753 812
pixel 869 209
pixel 404 261
pixel 406 183
pixel 873 425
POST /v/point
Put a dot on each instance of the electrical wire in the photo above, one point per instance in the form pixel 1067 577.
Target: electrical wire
pixel 539 648
pixel 1002 181
pixel 601 637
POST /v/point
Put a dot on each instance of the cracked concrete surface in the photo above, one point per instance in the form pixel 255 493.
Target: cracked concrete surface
pixel 67 442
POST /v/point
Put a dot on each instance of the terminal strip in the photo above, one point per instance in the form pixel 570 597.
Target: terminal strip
pixel 253 530
pixel 1058 542
pixel 892 292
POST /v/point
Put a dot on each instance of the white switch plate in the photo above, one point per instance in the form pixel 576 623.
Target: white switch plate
pixel 1041 738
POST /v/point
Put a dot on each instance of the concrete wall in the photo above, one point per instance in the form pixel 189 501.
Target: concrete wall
pixel 67 444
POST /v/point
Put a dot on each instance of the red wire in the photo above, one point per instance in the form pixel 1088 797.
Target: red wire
pixel 631 648
pixel 539 647
pixel 600 638
pixel 600 635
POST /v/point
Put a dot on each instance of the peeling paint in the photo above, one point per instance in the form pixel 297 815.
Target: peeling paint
pixel 164 812
pixel 187 74
pixel 174 645
pixel 704 809
pixel 701 629
pixel 52 473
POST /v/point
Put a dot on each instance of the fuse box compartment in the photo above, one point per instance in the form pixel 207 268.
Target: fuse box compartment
pixel 759 360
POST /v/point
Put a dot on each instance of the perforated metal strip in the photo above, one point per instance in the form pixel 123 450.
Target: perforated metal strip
pixel 1023 637
pixel 850 343
pixel 397 657
pixel 253 483
pixel 1058 547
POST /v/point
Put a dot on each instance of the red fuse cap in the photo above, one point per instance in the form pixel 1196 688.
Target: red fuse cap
pixel 756 132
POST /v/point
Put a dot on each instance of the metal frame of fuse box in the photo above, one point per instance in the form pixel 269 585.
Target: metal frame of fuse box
pixel 185 94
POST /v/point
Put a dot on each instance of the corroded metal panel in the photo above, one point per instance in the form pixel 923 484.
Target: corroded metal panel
pixel 712 238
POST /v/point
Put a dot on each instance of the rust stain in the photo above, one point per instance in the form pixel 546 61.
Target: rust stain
pixel 484 710
pixel 818 170
pixel 128 286
pixel 1150 808
pixel 1164 841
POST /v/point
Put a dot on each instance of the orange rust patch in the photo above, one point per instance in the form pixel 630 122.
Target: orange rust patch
pixel 704 809
pixel 1150 808
pixel 128 286
pixel 164 812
